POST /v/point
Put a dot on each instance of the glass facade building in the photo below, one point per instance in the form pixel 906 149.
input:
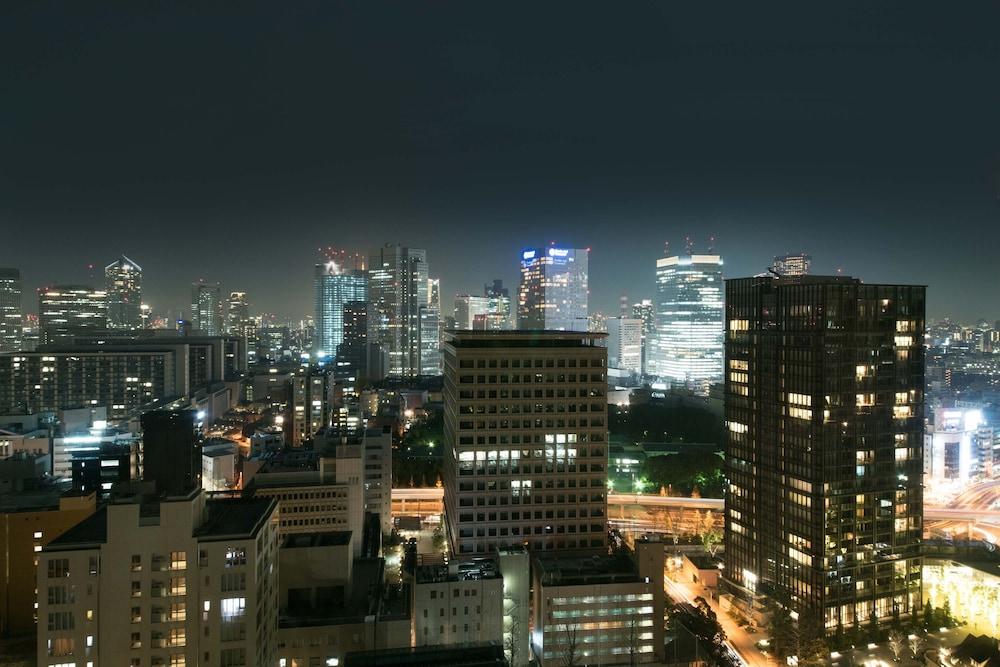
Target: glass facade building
pixel 553 293
pixel 68 309
pixel 123 283
pixel 398 289
pixel 792 265
pixel 334 287
pixel 824 410
pixel 689 345
pixel 11 319
pixel 206 308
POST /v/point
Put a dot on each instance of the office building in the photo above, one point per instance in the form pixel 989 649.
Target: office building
pixel 11 315
pixel 553 293
pixel 646 312
pixel 625 344
pixel 398 289
pixel 525 429
pixel 601 610
pixel 824 408
pixel 470 309
pixel 359 355
pixel 206 308
pixel 123 284
pixel 458 603
pixel 238 322
pixel 29 520
pixel 430 341
pixel 689 314
pixel 958 446
pixel 335 285
pixel 178 580
pixel 796 264
pixel 498 306
pixel 64 310
pixel 310 404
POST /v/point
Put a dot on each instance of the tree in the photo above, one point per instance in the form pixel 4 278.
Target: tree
pixel 780 630
pixel 813 653
pixel 928 615
pixel 511 646
pixel 916 645
pixel 896 644
pixel 570 651
pixel 947 619
pixel 438 539
pixel 633 641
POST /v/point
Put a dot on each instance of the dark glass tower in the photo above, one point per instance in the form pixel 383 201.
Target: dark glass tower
pixel 824 409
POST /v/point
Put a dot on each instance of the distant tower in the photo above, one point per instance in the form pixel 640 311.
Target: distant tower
pixel 398 290
pixel 123 283
pixel 553 294
pixel 71 309
pixel 335 285
pixel 689 319
pixel 11 316
pixel 792 265
pixel 206 308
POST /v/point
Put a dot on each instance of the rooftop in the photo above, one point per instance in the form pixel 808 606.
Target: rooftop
pixel 235 517
pixel 479 568
pixel 567 570
pixel 485 654
pixel 525 338
pixel 88 533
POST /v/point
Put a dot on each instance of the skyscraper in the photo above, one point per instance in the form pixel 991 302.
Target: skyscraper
pixel 553 292
pixel 645 311
pixel 123 283
pixel 397 288
pixel 796 264
pixel 520 469
pixel 206 308
pixel 689 345
pixel 498 306
pixel 11 319
pixel 335 285
pixel 468 308
pixel 69 309
pixel 824 410
pixel 625 344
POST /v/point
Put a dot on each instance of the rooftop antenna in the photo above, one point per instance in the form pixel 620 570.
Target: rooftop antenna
pixel 666 248
pixel 711 244
pixel 688 245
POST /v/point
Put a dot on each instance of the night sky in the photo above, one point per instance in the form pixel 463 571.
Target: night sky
pixel 206 143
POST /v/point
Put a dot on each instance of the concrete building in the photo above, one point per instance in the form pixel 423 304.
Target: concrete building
pixel 525 428
pixel 170 581
pixel 123 285
pixel 603 610
pixel 689 320
pixel 310 404
pixel 625 344
pixel 332 603
pixel 30 520
pixel 468 308
pixel 458 603
pixel 11 313
pixel 646 313
pixel 65 310
pixel 958 446
pixel 206 308
pixel 553 293
pixel 824 412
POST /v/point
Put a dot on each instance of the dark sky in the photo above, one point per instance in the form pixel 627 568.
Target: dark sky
pixel 229 141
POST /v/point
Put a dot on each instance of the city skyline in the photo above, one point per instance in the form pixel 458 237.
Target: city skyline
pixel 774 133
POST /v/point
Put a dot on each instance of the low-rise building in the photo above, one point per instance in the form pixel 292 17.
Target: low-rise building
pixel 458 603
pixel 599 609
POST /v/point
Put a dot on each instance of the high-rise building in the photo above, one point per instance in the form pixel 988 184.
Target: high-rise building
pixel 335 285
pixel 123 284
pixel 309 405
pixel 796 264
pixel 397 289
pixel 68 309
pixel 689 345
pixel 206 308
pixel 525 440
pixel 11 316
pixel 430 341
pixel 553 293
pixel 498 306
pixel 625 344
pixel 171 450
pixel 645 312
pixel 468 308
pixel 237 315
pixel 824 409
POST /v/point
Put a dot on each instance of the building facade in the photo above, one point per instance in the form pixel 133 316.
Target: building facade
pixel 824 408
pixel 553 293
pixel 398 289
pixel 182 581
pixel 796 264
pixel 525 428
pixel 123 284
pixel 625 344
pixel 65 310
pixel 645 312
pixel 689 320
pixel 11 315
pixel 206 308
pixel 335 286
